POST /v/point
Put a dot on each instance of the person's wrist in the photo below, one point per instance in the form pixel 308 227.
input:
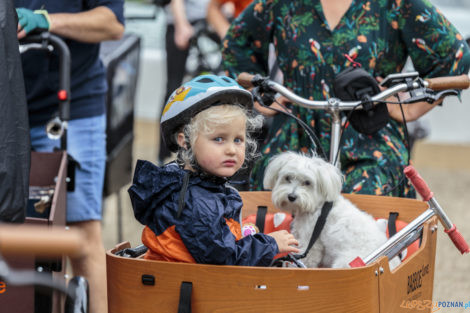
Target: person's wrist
pixel 45 14
pixel 182 24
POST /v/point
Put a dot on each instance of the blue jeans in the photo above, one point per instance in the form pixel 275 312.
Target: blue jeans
pixel 86 143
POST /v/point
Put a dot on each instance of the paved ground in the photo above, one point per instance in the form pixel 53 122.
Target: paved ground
pixel 446 168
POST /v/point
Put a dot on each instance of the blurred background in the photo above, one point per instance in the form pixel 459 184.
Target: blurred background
pixel 138 80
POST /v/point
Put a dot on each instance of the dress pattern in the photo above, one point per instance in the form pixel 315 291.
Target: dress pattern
pixel 379 35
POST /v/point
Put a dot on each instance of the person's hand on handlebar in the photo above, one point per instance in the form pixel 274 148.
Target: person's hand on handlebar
pixel 411 111
pixel 30 21
pixel 279 104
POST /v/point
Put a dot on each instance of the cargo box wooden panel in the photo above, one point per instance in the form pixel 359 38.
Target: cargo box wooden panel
pixel 371 288
pixel 47 169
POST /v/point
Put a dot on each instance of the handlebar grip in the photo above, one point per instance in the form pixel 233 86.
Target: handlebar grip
pixel 458 239
pixel 418 182
pixel 245 80
pixel 449 82
pixel 39 240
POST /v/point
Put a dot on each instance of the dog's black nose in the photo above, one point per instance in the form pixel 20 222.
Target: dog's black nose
pixel 292 197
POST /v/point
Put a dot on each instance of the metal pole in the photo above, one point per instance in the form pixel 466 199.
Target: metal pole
pixel 392 242
pixel 335 136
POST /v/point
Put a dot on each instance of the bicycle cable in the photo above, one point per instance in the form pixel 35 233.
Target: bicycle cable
pixel 406 142
pixel 308 130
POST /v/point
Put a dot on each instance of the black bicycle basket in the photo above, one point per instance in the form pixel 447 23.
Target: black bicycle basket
pixel 354 84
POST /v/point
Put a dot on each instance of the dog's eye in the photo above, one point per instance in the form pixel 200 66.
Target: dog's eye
pixel 307 183
pixel 287 178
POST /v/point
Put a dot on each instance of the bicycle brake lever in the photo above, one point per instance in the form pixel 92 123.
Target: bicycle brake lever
pixel 428 95
pixel 446 93
pixel 264 97
pixel 259 81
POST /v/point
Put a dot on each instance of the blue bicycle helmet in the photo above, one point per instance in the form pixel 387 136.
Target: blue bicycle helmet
pixel 195 96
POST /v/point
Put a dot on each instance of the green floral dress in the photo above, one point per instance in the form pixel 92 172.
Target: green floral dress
pixel 379 35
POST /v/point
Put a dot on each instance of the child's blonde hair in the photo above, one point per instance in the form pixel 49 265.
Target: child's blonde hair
pixel 207 120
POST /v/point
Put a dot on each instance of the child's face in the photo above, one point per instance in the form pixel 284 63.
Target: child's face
pixel 222 152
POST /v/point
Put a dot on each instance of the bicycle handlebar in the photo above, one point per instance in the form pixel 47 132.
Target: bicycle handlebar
pixel 50 42
pixel 427 195
pixel 418 182
pixel 434 210
pixel 38 240
pixel 335 105
pixel 44 41
pixel 247 80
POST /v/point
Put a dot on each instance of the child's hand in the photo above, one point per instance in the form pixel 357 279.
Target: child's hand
pixel 284 241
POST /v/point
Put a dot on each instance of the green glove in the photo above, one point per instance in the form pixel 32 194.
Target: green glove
pixel 33 20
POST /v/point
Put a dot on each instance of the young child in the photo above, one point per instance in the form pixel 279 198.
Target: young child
pixel 191 214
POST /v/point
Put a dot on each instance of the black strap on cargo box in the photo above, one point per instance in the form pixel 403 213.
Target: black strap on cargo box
pixel 261 217
pixel 392 228
pixel 184 305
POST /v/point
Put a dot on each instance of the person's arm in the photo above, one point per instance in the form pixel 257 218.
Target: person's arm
pixel 91 26
pixel 217 245
pixel 435 47
pixel 411 111
pixel 245 47
pixel 183 29
pixel 216 18
pixel 209 239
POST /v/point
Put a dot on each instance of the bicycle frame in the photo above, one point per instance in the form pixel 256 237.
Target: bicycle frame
pixel 413 230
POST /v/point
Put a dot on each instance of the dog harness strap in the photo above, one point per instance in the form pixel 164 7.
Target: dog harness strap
pixel 261 217
pixel 184 188
pixel 325 210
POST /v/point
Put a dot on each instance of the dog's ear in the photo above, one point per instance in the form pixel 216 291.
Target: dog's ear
pixel 331 181
pixel 271 172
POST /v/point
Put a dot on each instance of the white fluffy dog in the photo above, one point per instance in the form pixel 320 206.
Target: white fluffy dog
pixel 301 185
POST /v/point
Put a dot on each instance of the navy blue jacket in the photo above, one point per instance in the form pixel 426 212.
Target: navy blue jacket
pixel 208 230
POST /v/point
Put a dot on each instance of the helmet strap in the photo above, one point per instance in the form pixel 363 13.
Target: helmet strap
pixel 179 159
